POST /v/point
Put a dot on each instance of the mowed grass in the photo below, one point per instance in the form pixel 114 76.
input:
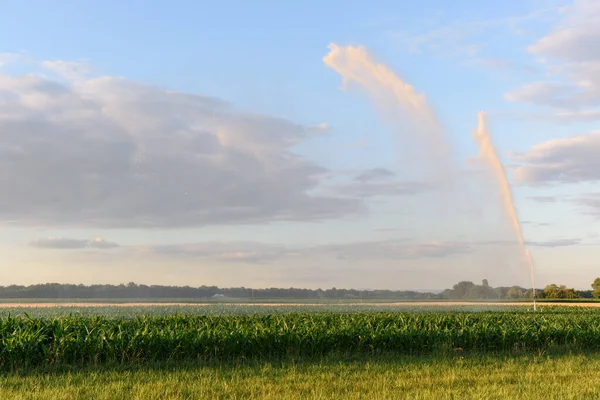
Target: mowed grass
pixel 477 377
pixel 30 342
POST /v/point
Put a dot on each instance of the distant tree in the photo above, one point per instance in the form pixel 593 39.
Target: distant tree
pixel 551 291
pixel 539 294
pixel 596 288
pixel 483 292
pixel 566 293
pixel 485 283
pixel 554 291
pixel 514 293
pixel 572 294
pixel 501 292
pixel 463 290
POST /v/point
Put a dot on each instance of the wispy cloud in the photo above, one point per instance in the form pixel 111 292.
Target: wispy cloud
pixel 7 58
pixel 72 70
pixel 375 174
pixel 544 199
pixel 554 243
pixel 71 244
pixel 379 182
pixel 466 38
pixel 256 252
pixel 590 203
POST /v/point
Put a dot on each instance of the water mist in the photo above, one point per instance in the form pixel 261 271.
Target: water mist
pixel 398 99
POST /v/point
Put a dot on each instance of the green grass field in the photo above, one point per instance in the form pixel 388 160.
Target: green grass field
pixel 480 377
pixel 333 351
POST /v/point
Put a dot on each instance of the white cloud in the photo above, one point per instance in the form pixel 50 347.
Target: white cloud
pixel 66 243
pixel 572 57
pixel 561 160
pixel 111 152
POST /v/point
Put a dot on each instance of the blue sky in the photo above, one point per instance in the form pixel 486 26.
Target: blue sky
pixel 209 143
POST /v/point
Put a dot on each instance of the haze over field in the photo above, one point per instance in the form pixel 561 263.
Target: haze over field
pixel 340 152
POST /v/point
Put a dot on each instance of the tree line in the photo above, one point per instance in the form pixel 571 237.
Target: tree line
pixel 464 290
pixel 133 290
pixel 470 291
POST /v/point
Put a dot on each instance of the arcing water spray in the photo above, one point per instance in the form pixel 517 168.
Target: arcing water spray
pixel 488 154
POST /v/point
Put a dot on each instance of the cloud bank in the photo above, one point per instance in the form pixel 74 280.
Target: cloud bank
pixel 570 160
pixel 109 152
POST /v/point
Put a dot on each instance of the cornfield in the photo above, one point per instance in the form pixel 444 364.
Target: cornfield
pixel 245 309
pixel 78 340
